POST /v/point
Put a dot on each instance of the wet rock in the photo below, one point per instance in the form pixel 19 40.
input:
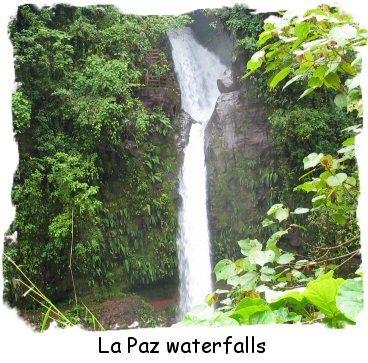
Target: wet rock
pixel 227 83
pixel 238 125
pixel 237 148
pixel 182 125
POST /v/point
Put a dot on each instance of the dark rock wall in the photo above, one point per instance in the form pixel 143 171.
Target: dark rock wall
pixel 238 150
pixel 182 126
pixel 215 39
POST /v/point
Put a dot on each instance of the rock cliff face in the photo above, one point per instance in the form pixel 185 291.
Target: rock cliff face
pixel 182 125
pixel 238 150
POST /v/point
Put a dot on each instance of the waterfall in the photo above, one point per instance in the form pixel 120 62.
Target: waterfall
pixel 197 70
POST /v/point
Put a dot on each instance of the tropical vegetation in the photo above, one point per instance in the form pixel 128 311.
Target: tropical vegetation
pixel 321 48
pixel 96 190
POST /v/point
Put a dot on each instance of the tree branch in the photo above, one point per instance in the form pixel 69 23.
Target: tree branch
pixel 351 240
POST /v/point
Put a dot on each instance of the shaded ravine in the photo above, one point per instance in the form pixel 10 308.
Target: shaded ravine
pixel 197 70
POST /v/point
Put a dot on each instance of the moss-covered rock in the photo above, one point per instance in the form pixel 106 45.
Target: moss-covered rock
pixel 238 153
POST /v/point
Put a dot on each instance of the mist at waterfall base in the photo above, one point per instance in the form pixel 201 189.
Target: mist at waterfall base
pixel 197 70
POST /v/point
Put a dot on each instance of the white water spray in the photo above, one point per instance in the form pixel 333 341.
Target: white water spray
pixel 197 70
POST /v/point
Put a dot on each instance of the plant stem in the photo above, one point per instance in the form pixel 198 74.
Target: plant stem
pixel 339 257
pixel 340 245
pixel 348 259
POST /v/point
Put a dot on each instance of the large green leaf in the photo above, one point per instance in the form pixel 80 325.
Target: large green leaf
pixel 262 317
pixel 332 80
pixel 301 30
pixel 280 212
pixel 247 307
pixel 301 210
pixel 320 72
pixel 256 61
pixel 274 208
pixel 336 180
pixel 341 100
pixel 245 265
pixel 223 320
pixel 280 76
pixel 243 316
pixel 210 298
pixel 308 186
pixel 246 281
pixel 292 298
pixel 224 269
pixel 275 238
pixel 315 82
pixel 267 274
pixel 284 315
pixel 249 245
pixel 285 258
pixel 312 160
pixel 322 293
pixel 349 299
pixel 261 257
pixel 248 301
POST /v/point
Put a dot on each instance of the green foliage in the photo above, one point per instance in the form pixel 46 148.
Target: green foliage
pixel 80 314
pixel 22 108
pixel 237 214
pixel 298 131
pixel 298 128
pixel 259 266
pixel 334 301
pixel 247 28
pixel 335 187
pixel 349 299
pixel 319 48
pixel 279 212
pixel 240 22
pixel 94 153
pixel 322 294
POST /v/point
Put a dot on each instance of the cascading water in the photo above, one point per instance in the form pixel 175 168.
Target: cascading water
pixel 197 70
